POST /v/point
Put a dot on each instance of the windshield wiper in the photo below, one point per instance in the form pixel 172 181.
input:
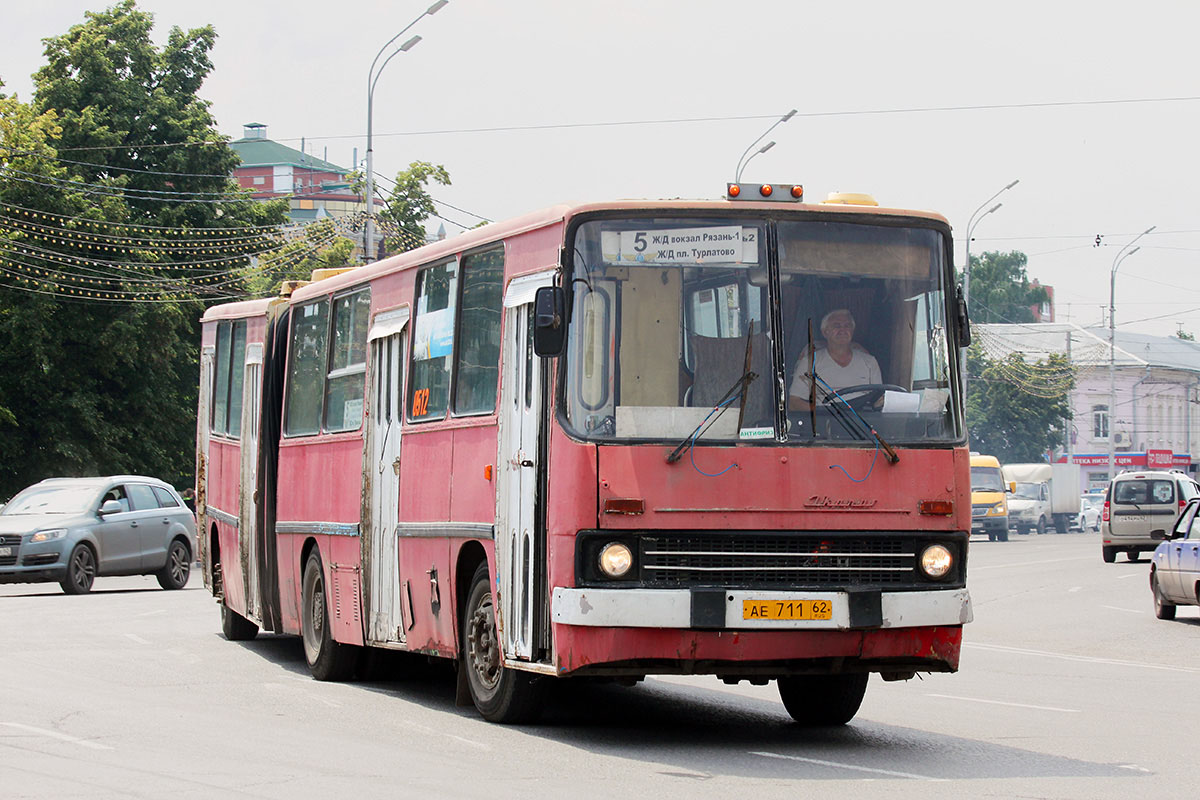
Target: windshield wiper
pixel 855 425
pixel 739 387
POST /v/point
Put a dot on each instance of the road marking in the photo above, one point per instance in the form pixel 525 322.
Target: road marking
pixel 57 735
pixel 1126 610
pixel 1074 589
pixel 134 637
pixel 1002 703
pixel 1084 659
pixel 1130 575
pixel 841 765
pixel 152 613
pixel 1029 563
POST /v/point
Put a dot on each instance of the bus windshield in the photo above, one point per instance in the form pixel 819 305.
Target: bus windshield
pixel 720 322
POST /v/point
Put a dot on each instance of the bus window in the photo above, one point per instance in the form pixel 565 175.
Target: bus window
pixel 478 357
pixel 306 369
pixel 228 377
pixel 433 342
pixel 347 363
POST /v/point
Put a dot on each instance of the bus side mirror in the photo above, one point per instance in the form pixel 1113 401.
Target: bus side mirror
pixel 549 321
pixel 964 322
pixel 1011 488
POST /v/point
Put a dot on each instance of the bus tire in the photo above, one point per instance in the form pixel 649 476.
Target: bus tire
pixel 823 700
pixel 327 660
pixel 501 695
pixel 236 627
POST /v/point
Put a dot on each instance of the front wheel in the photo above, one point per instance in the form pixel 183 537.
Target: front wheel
pixel 1162 609
pixel 81 571
pixel 1003 535
pixel 179 567
pixel 823 700
pixel 327 659
pixel 1041 525
pixel 500 694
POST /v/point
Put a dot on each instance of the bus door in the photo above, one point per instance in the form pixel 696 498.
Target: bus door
pixel 384 614
pixel 248 522
pixel 204 412
pixel 520 550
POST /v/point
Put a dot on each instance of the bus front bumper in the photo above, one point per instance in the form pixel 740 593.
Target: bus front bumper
pixel 735 609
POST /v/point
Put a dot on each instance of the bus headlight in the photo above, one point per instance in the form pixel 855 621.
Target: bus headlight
pixel 616 559
pixel 936 561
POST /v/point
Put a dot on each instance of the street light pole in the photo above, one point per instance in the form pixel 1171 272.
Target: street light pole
pixel 737 173
pixel 1121 255
pixel 372 78
pixel 738 178
pixel 971 227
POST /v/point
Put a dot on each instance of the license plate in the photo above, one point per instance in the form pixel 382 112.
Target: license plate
pixel 6 551
pixel 787 609
pixel 1134 518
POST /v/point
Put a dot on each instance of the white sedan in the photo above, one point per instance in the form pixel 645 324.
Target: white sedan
pixel 1091 507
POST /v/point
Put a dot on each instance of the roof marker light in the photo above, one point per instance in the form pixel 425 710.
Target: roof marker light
pixel 766 190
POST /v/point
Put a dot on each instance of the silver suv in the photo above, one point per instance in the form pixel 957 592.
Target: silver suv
pixel 1139 504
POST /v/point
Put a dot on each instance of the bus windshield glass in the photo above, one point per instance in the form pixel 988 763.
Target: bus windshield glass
pixel 718 323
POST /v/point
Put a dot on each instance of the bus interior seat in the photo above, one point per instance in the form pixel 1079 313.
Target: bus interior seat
pixel 718 365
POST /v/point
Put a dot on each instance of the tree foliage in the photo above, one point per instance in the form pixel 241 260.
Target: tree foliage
pixel 409 204
pixel 1003 418
pixel 95 387
pixel 1000 290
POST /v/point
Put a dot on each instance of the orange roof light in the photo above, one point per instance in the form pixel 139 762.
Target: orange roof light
pixel 765 190
pixel 798 192
pixel 733 190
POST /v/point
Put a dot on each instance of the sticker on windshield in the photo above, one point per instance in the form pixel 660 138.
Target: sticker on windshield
pixel 756 433
pixel 725 244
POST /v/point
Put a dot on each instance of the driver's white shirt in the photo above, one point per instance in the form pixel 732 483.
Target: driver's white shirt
pixel 863 368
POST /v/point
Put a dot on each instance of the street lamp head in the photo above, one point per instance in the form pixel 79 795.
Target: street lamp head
pixel 410 44
pixel 993 208
pixel 766 147
pixel 1014 183
pixel 436 7
pixel 788 115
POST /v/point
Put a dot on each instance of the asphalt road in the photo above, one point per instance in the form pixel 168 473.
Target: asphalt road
pixel 1069 688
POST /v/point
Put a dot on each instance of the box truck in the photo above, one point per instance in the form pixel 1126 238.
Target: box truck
pixel 1045 495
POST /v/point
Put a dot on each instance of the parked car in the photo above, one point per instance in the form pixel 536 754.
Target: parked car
pixel 1139 505
pixel 1091 509
pixel 1175 566
pixel 72 530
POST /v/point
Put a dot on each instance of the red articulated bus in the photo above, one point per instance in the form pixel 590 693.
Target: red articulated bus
pixel 681 437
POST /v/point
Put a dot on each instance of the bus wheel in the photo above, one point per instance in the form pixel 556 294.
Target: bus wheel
pixel 501 695
pixel 327 660
pixel 823 700
pixel 236 627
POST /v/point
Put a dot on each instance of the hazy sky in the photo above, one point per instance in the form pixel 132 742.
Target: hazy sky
pixel 932 105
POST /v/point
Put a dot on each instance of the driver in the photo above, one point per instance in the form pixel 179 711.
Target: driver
pixel 840 361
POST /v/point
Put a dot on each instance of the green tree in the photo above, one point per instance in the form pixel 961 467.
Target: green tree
pixel 409 205
pixel 99 387
pixel 1000 290
pixel 1017 411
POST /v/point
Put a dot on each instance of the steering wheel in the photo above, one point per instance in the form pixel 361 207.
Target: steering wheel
pixel 866 395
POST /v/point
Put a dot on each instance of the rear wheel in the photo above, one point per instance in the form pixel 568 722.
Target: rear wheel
pixel 81 571
pixel 823 700
pixel 179 567
pixel 236 627
pixel 1134 555
pixel 500 694
pixel 1109 554
pixel 327 660
pixel 1162 609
